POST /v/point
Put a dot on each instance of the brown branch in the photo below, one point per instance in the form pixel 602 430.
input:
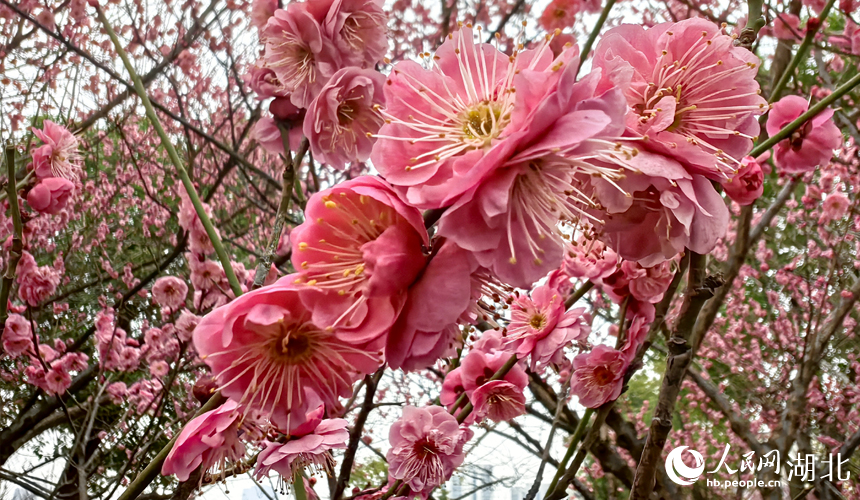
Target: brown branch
pixel 699 290
pixel 371 382
pixel 17 236
pixel 288 180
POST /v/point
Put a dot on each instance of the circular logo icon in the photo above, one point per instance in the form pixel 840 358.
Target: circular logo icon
pixel 678 471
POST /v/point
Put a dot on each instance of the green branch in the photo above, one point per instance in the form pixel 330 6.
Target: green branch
pixel 174 157
pixel 802 119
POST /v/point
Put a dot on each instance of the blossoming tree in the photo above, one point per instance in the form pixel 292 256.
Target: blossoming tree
pixel 300 240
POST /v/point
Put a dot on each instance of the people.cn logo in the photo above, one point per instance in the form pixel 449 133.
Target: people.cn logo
pixel 678 471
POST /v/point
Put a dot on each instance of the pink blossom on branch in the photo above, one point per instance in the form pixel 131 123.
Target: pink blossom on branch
pixel 499 401
pixel 747 185
pixel 809 146
pixel 341 119
pixel 304 450
pixel 692 93
pixel 50 195
pixel 540 326
pixel 448 127
pixel 267 353
pixel 427 328
pixel 170 291
pixel 362 247
pixel 209 441
pixel 59 156
pixel 357 28
pixel 659 210
pixel 514 221
pixel 301 56
pixel 426 447
pixel 35 283
pixel 598 376
pixel 17 336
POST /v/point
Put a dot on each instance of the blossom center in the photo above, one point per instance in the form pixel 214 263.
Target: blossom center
pixel 484 122
pixel 294 344
pixel 603 376
pixel 425 449
pixel 538 321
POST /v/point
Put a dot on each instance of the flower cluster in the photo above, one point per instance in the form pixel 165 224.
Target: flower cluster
pixel 528 172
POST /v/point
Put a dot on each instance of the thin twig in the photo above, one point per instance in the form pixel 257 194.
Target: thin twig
pixel 287 180
pixel 595 32
pixel 370 382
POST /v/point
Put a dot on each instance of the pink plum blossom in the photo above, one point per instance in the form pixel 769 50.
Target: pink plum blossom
pixel 426 447
pixel 268 134
pixel 659 210
pixel 261 11
pixel 210 440
pixel 478 367
pixel 514 221
pixel 357 28
pixel 703 112
pixel 835 207
pixel 50 195
pixel 559 14
pixel 427 328
pixel 598 376
pixel 185 324
pixel 747 184
pixel 301 56
pixel 450 126
pixel 809 146
pixel 170 291
pixel 341 119
pixel 264 82
pixel 499 401
pixel 308 450
pixel 117 392
pixel 363 247
pixel 648 284
pixel 58 156
pixel 590 258
pixel 35 283
pixel 267 353
pixel 541 328
pixel 17 336
pixel 57 379
pixel 159 369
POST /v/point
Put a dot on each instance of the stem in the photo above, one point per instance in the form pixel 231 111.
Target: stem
pixel 371 382
pixel 560 406
pixel 788 73
pixel 174 157
pixel 560 491
pixel 699 290
pixel 154 468
pixel 578 294
pixel 595 32
pixel 756 22
pixel 18 186
pixel 802 119
pixel 17 237
pixel 299 486
pixel 287 181
pixel 577 435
